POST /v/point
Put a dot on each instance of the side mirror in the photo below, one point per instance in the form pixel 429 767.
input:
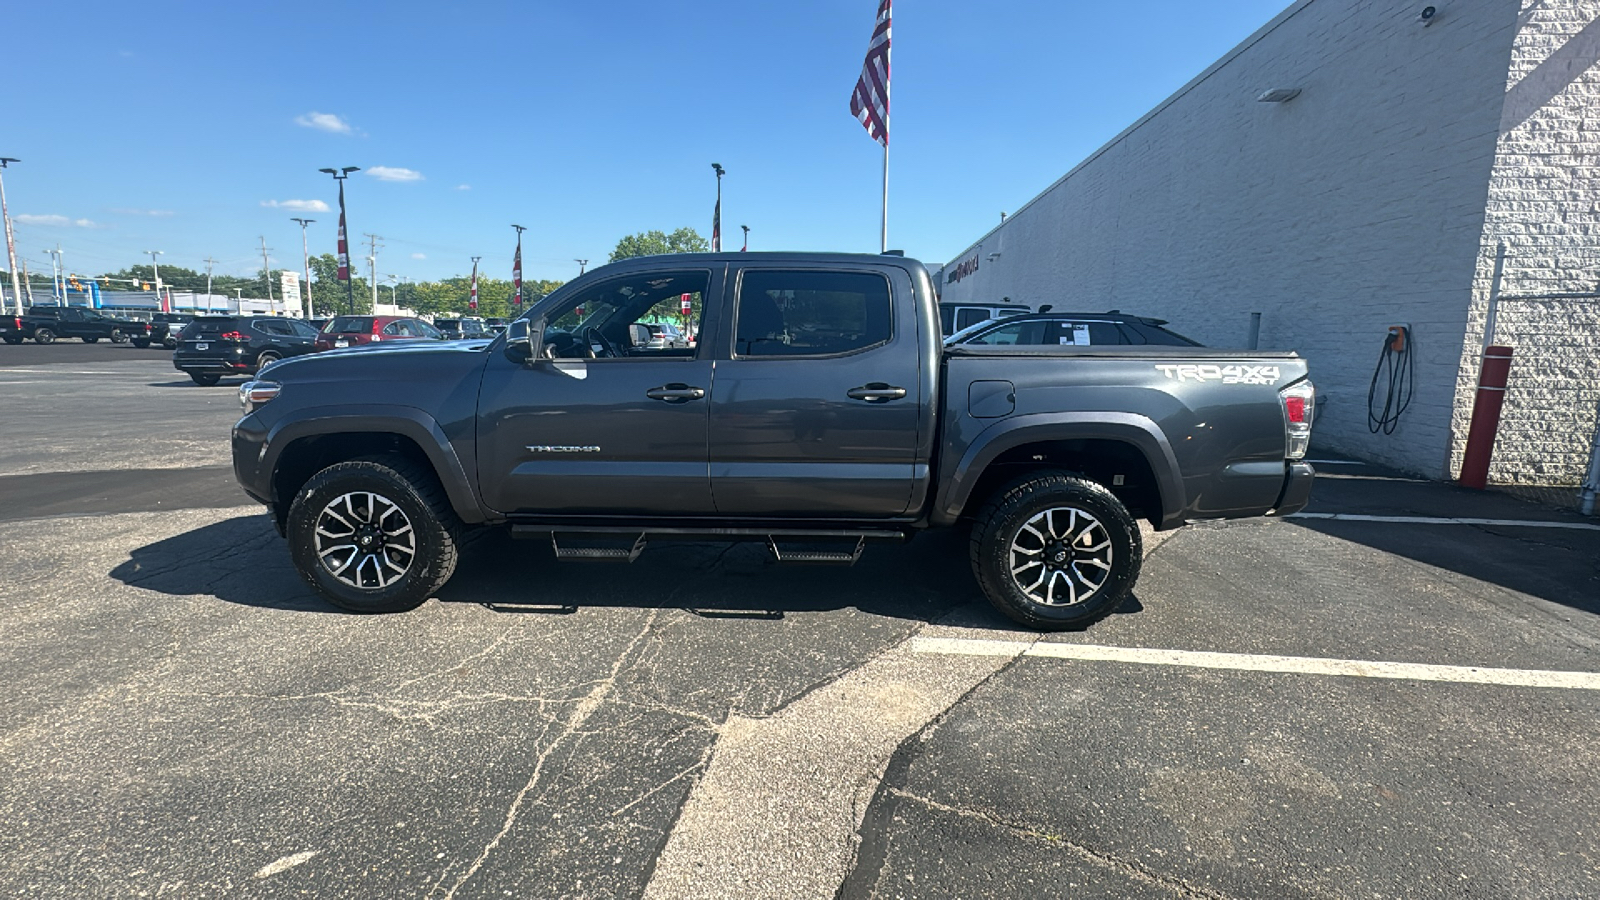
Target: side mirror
pixel 639 334
pixel 523 339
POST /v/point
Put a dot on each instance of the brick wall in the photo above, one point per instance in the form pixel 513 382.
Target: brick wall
pixel 1544 206
pixel 1357 205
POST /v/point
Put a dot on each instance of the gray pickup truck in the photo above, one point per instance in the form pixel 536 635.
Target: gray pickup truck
pixel 818 410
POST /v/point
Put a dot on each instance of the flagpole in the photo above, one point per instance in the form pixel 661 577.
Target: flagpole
pixel 884 243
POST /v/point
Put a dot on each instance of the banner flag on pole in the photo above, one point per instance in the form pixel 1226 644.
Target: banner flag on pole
pixel 516 274
pixel 716 224
pixel 870 101
pixel 472 303
pixel 344 245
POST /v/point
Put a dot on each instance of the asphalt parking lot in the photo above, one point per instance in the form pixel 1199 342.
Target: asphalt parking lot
pixel 1368 702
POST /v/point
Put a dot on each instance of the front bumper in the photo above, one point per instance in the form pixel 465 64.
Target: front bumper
pixel 1296 492
pixel 249 450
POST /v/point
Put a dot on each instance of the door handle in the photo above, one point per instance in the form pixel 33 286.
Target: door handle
pixel 675 393
pixel 876 392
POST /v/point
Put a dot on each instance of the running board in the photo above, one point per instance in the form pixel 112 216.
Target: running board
pixel 613 553
pixel 798 556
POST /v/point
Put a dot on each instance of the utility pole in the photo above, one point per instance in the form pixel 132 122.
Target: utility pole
pixel 11 242
pixel 156 266
pixel 209 263
pixel 305 252
pixel 55 274
pixel 372 262
pixel 266 272
pixel 26 285
pixel 582 264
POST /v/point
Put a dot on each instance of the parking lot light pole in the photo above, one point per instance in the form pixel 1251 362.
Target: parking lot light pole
pixel 340 175
pixel 11 242
pixel 156 266
pixel 305 255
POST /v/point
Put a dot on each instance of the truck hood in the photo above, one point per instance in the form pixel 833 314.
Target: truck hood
pixel 380 361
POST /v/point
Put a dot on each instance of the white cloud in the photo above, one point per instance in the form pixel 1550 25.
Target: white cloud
pixel 463 187
pixel 158 213
pixel 391 173
pixel 324 122
pixel 419 256
pixel 296 205
pixel 53 221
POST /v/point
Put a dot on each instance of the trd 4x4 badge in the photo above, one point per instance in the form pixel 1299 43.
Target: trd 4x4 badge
pixel 1224 374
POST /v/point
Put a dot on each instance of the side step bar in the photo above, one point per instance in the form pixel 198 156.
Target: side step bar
pixel 792 546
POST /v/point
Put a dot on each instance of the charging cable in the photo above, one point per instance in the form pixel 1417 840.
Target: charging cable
pixel 1395 370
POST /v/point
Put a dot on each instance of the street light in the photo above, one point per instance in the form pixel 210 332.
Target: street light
pixel 340 175
pixel 305 254
pixel 716 217
pixel 746 238
pixel 582 264
pixel 11 245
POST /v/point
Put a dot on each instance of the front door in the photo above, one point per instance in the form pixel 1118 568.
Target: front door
pixel 816 411
pixel 606 425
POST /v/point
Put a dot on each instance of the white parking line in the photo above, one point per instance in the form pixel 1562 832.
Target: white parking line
pixel 57 372
pixel 1251 662
pixel 1436 520
pixel 1336 462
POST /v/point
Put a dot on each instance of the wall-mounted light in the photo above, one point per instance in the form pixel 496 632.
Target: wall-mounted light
pixel 1427 15
pixel 994 256
pixel 1278 95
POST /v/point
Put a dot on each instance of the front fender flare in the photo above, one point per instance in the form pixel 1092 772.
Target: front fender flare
pixel 1138 431
pixel 406 421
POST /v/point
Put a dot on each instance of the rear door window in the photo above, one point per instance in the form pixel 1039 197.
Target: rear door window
pixel 810 313
pixel 967 316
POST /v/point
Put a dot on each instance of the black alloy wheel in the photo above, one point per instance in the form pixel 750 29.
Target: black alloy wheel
pixel 374 535
pixel 44 336
pixel 1053 551
pixel 117 337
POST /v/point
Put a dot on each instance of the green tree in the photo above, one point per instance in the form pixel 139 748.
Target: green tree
pixel 329 292
pixel 654 243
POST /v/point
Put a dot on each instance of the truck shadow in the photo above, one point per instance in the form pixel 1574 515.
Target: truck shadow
pixel 242 560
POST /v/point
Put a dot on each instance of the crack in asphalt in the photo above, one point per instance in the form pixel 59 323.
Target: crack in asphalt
pixel 572 726
pixel 1127 869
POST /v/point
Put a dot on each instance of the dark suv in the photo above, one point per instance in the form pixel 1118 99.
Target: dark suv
pixel 213 346
pixel 462 329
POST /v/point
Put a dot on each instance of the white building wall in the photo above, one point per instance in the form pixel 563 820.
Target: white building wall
pixel 1357 205
pixel 1544 206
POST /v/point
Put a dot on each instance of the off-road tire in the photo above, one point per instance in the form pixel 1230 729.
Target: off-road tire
pixel 1000 523
pixel 90 340
pixel 418 495
pixel 205 380
pixel 44 336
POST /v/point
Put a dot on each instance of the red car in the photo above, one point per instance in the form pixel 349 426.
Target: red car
pixel 351 331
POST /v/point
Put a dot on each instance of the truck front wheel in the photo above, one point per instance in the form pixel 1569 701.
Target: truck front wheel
pixel 373 535
pixel 1052 551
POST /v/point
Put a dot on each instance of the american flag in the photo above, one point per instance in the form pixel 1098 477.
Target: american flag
pixel 870 102
pixel 516 274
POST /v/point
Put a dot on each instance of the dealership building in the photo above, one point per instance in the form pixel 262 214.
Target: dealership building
pixel 1352 166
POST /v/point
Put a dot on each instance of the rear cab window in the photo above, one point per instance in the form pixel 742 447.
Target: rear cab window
pixel 811 313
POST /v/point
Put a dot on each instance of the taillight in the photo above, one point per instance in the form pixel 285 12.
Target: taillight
pixel 1299 409
pixel 147 328
pixel 376 326
pixel 233 336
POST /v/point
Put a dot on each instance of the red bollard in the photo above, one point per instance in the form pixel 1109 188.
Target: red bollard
pixel 1492 377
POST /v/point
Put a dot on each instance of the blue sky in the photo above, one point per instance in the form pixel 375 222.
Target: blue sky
pixel 176 127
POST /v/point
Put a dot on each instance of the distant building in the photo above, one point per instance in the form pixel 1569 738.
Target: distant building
pixel 1375 196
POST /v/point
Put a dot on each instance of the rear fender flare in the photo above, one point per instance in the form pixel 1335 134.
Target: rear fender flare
pixel 1130 428
pixel 405 421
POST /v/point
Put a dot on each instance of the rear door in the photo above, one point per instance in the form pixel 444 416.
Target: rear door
pixel 816 404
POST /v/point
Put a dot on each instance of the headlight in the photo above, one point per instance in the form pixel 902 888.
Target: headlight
pixel 254 393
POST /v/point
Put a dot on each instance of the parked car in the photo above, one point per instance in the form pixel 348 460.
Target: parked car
pixel 175 323
pixel 462 328
pixel 211 347
pixel 352 331
pixel 664 335
pixel 46 323
pixel 1071 330
pixel 498 326
pixel 953 316
pixel 836 415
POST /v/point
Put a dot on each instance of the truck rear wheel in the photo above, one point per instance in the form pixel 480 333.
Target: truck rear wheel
pixel 90 340
pixel 43 336
pixel 1053 551
pixel 373 535
pixel 117 337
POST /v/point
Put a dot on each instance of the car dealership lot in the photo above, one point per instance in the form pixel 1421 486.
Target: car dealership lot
pixel 187 718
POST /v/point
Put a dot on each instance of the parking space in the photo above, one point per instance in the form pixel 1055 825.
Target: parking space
pixel 186 718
